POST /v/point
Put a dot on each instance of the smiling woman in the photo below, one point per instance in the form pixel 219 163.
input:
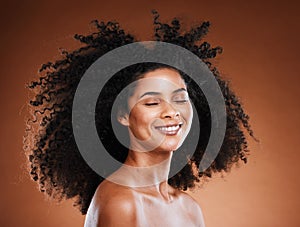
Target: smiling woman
pixel 157 117
pixel 155 113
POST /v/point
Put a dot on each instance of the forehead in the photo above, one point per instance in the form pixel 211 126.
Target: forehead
pixel 160 79
pixel 170 75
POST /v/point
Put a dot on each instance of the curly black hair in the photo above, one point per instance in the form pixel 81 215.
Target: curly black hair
pixel 56 163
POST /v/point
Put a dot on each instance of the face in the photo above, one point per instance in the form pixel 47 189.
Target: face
pixel 160 112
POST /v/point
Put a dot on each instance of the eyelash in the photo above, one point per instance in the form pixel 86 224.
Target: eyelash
pixel 181 101
pixel 156 103
pixel 151 104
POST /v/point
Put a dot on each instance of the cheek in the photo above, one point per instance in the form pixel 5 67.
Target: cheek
pixel 142 116
pixel 187 113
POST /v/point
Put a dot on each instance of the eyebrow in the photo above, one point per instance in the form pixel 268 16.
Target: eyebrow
pixel 158 93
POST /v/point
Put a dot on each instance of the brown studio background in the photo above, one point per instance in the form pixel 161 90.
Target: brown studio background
pixel 261 55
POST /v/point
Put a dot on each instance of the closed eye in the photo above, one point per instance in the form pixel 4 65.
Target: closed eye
pixel 181 101
pixel 151 104
pixel 181 98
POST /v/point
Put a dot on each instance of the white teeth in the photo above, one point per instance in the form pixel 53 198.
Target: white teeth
pixel 169 129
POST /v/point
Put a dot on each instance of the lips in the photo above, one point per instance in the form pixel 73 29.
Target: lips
pixel 169 129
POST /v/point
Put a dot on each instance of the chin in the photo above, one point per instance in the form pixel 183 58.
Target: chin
pixel 170 145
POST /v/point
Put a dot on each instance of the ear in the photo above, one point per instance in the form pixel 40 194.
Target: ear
pixel 123 118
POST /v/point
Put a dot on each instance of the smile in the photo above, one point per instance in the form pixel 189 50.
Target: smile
pixel 169 130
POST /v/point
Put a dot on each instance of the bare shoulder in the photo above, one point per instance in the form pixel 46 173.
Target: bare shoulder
pixel 112 205
pixel 193 207
pixel 188 200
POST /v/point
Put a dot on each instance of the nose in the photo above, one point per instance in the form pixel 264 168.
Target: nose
pixel 169 111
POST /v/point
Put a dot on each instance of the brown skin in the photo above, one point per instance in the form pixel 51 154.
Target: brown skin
pixel 142 207
pixel 160 114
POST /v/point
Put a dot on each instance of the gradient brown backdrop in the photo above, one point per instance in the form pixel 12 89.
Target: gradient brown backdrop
pixel 261 57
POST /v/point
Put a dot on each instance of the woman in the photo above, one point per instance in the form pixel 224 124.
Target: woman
pixel 159 119
pixel 157 110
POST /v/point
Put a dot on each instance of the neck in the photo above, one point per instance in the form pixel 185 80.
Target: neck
pixel 157 166
pixel 149 170
pixel 157 163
